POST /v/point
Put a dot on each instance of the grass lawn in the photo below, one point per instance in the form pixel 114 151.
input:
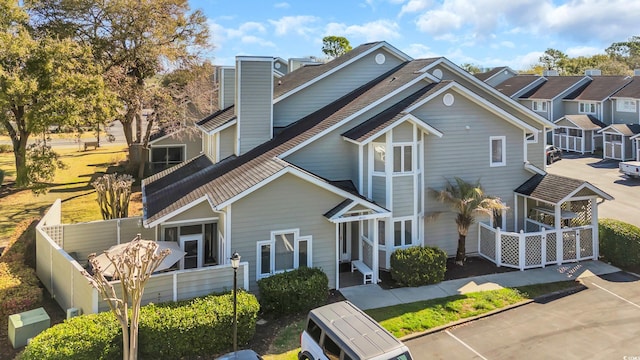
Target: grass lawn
pixel 405 319
pixel 72 185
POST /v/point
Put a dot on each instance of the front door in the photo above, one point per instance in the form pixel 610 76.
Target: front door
pixel 345 242
pixel 192 245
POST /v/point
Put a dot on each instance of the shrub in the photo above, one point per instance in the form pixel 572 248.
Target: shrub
pixel 94 336
pixel 619 242
pixel 184 329
pixel 19 286
pixel 294 291
pixel 417 265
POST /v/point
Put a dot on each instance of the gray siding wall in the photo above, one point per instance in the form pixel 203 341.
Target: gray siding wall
pixel 621 117
pixel 200 211
pixel 286 203
pixel 254 102
pixel 403 195
pixel 191 140
pixel 379 192
pixel 465 153
pixel 403 133
pixel 571 108
pixel 227 93
pixel 535 152
pixel 558 109
pixel 331 88
pixel 227 138
pixel 606 111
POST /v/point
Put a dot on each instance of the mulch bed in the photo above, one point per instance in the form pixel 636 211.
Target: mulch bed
pixel 473 266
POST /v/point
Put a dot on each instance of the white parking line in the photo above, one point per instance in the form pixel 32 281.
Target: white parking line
pixel 465 344
pixel 616 295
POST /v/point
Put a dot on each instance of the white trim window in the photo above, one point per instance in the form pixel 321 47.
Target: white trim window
pixel 587 108
pixel 286 250
pixel 531 138
pixel 403 232
pixel 162 157
pixel 539 106
pixel 379 156
pixel 497 151
pixel 403 159
pixel 626 105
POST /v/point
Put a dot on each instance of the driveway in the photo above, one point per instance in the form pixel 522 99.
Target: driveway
pixel 600 322
pixel 604 174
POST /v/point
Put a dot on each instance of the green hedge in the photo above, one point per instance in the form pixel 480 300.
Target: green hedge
pixel 293 291
pixel 619 242
pixel 417 265
pixel 19 285
pixel 191 328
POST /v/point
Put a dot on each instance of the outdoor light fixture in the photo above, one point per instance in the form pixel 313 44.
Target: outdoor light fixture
pixel 235 263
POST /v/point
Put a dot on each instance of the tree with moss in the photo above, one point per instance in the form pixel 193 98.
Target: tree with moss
pixel 467 200
pixel 334 46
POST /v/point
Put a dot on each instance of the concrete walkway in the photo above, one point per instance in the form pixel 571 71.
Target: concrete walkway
pixel 373 296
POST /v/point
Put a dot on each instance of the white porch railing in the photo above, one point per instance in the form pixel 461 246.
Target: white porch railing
pixel 537 249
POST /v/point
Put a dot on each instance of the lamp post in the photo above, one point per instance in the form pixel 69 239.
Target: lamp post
pixel 235 263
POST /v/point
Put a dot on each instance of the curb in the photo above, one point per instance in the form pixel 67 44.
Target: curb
pixel 567 291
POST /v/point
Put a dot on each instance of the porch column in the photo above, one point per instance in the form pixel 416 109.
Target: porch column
pixel 559 234
pixel 375 252
pixel 594 225
pixel 337 258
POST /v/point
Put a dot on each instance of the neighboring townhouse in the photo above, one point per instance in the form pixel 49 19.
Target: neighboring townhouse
pixel 333 164
pixel 620 142
pixel 517 86
pixel 578 133
pixel 496 75
pixel 625 109
pixel 594 98
pixel 168 148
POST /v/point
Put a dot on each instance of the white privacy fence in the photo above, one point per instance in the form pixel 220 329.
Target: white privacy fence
pixel 537 249
pixel 63 277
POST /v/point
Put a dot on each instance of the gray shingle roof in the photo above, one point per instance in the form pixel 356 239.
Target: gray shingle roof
pixel 514 84
pixel 382 120
pixel 632 90
pixel 585 122
pixel 625 129
pixel 600 88
pixel 221 182
pixel 217 119
pixel 552 188
pixel 554 86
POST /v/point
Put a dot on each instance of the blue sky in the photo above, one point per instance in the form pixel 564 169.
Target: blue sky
pixel 487 33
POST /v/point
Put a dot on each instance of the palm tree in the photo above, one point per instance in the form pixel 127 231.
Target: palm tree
pixel 467 200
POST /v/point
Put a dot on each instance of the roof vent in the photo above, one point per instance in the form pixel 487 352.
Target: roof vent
pixel 593 72
pixel 550 73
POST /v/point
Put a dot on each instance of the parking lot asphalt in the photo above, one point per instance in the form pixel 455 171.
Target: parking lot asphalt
pixel 600 322
pixel 605 175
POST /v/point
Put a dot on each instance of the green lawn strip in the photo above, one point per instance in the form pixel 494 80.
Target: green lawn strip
pixel 72 185
pixel 419 316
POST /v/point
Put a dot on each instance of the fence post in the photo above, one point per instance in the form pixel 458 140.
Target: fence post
pixel 498 240
pixel 559 242
pixel 175 286
pixel 578 252
pixel 521 250
pixel 543 247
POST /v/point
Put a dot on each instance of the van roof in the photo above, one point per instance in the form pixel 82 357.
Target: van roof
pixel 348 324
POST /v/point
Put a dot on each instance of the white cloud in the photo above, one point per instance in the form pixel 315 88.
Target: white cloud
pixel 414 6
pixel 420 51
pixel 371 31
pixel 296 24
pixel 250 39
pixel 281 5
pixel 583 51
pixel 439 22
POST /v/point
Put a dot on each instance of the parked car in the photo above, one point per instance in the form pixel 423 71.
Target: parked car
pixel 241 355
pixel 630 168
pixel 552 154
pixel 342 331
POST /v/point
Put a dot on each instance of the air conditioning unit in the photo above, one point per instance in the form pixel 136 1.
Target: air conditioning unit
pixel 73 312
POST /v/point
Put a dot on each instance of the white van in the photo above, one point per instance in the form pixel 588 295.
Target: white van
pixel 341 331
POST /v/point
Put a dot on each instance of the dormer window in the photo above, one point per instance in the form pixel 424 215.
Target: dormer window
pixel 539 106
pixel 587 108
